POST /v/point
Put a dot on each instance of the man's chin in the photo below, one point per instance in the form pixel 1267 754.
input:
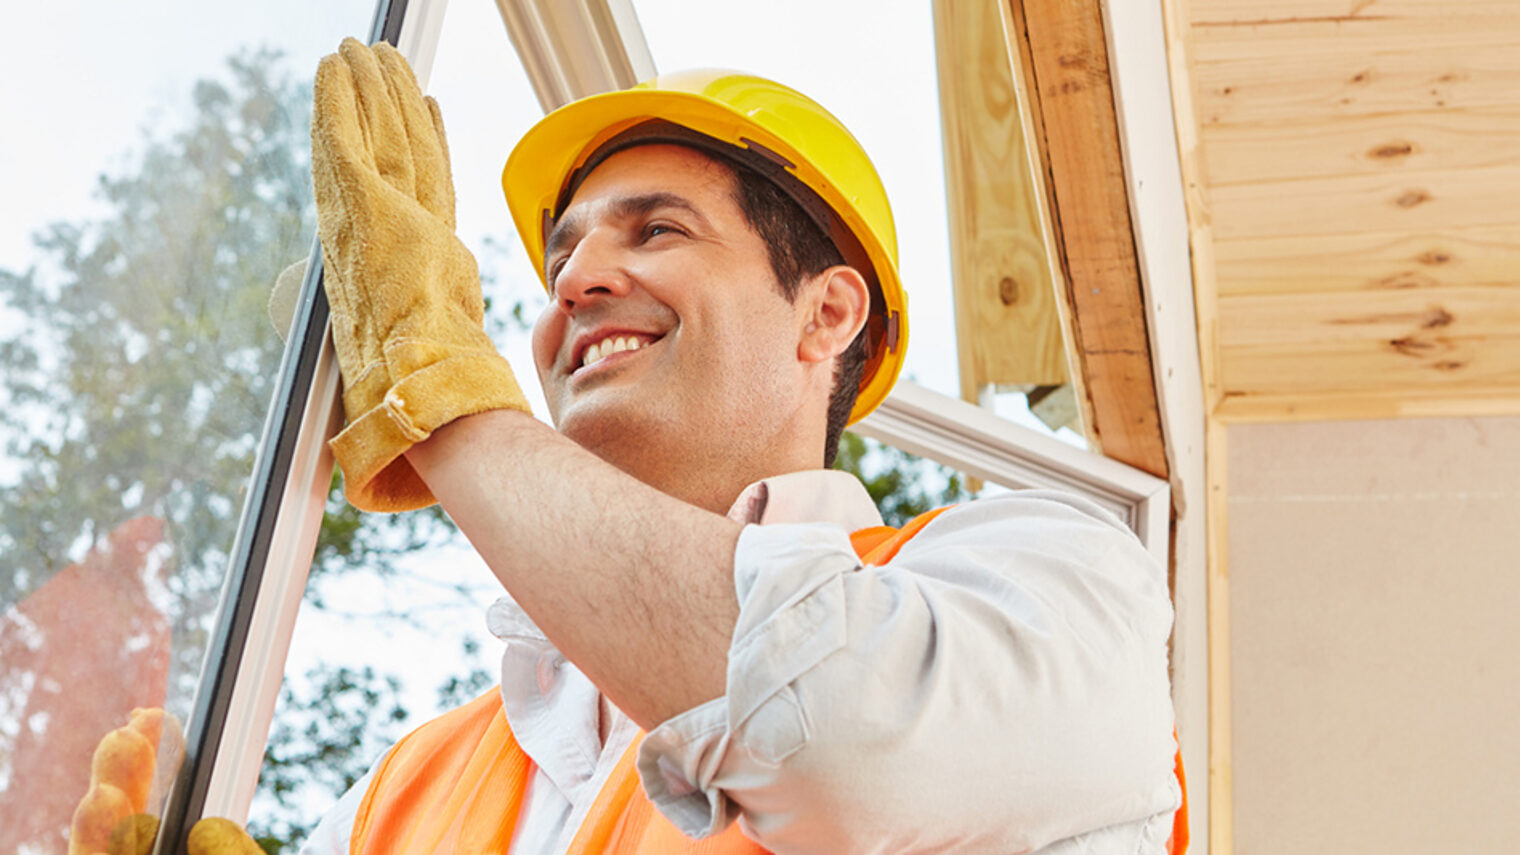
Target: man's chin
pixel 612 431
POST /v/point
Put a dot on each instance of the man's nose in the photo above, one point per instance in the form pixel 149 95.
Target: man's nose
pixel 591 273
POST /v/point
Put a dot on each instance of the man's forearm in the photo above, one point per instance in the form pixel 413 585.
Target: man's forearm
pixel 632 585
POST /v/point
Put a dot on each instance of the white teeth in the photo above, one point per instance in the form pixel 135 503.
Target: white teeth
pixel 608 346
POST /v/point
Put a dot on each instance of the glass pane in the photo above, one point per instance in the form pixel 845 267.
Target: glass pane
pixel 392 631
pixel 156 183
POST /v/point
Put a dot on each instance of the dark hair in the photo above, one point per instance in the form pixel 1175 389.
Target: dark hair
pixel 799 248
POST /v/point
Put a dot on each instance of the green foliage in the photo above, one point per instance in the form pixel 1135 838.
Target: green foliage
pixel 902 485
pixel 142 378
pixel 332 727
pixel 138 387
pixel 459 690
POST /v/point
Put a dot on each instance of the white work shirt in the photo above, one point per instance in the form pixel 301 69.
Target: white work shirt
pixel 999 686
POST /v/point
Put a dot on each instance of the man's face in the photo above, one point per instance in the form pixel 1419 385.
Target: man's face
pixel 653 254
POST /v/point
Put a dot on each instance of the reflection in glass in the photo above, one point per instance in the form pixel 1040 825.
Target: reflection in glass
pixel 136 365
pixel 400 634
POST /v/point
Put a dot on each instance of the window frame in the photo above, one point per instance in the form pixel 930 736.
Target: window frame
pixel 569 50
pixel 276 539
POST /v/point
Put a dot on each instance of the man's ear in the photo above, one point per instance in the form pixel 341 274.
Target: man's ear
pixel 835 304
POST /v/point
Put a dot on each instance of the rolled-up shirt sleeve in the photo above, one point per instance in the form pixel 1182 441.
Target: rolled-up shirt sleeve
pixel 999 685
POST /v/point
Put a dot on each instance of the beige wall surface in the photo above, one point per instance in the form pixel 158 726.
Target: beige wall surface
pixel 1375 636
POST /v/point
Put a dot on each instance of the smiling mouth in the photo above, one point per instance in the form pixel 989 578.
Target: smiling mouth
pixel 613 346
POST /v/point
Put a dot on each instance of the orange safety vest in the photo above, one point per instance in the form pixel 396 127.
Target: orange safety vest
pixel 456 784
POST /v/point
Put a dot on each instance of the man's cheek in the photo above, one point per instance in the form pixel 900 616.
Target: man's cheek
pixel 548 335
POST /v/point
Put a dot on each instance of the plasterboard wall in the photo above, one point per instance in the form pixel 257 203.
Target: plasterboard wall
pixel 1375 645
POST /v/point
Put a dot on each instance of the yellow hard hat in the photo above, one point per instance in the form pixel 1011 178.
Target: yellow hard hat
pixel 771 128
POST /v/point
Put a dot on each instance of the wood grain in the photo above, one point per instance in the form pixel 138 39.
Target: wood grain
pixel 1068 60
pixel 1456 402
pixel 1368 262
pixel 1384 144
pixel 1415 341
pixel 1397 79
pixel 1303 125
pixel 1008 330
pixel 1221 754
pixel 1348 204
pixel 1241 12
pixel 1307 39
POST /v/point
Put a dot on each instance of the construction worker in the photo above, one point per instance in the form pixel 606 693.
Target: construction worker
pixel 711 643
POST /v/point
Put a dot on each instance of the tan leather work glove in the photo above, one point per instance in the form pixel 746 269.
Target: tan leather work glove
pixel 405 292
pixel 129 773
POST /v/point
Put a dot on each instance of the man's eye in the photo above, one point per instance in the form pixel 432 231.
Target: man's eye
pixel 657 229
pixel 554 268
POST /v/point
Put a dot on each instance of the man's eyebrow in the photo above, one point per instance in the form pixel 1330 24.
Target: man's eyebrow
pixel 566 231
pixel 569 228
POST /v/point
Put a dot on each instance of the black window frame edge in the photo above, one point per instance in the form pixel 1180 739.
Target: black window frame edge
pixel 282 427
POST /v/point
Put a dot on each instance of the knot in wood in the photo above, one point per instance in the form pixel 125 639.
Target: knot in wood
pixel 1412 198
pixel 1398 148
pixel 1008 290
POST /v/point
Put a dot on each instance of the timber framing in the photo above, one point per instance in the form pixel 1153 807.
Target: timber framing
pixel 1008 326
pixel 1064 54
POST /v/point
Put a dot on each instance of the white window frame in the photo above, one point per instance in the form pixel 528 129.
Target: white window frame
pixel 569 50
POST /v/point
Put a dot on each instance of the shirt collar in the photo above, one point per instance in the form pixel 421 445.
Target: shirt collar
pixel 812 495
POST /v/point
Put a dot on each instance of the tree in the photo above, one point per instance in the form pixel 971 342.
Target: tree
pixel 901 484
pixel 134 397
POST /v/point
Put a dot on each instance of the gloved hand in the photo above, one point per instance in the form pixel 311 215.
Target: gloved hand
pixel 130 771
pixel 212 835
pixel 405 292
pixel 217 836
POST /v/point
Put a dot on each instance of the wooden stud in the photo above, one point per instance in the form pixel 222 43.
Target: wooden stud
pixel 1008 330
pixel 1219 782
pixel 1221 755
pixel 1461 402
pixel 1073 96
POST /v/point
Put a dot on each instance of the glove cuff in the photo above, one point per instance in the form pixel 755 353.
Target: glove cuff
pixel 371 449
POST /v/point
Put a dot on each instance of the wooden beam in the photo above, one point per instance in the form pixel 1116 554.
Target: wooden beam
pixel 1221 752
pixel 1219 783
pixel 1459 402
pixel 1008 330
pixel 1064 50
